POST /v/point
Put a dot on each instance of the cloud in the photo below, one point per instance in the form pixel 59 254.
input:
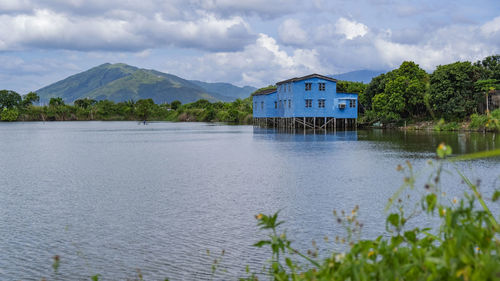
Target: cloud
pixel 265 9
pixel 291 33
pixel 47 29
pixel 350 29
pixel 261 63
pixel 491 28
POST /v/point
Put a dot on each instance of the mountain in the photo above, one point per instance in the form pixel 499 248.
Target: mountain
pixel 121 82
pixel 225 89
pixel 364 76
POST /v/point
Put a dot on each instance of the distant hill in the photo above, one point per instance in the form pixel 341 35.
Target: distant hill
pixel 364 76
pixel 121 82
pixel 225 89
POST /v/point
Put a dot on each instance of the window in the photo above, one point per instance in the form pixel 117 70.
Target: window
pixel 262 105
pixel 308 86
pixel 309 103
pixel 321 103
pixel 321 86
pixel 289 103
pixel 290 87
pixel 255 106
pixel 352 103
pixel 275 104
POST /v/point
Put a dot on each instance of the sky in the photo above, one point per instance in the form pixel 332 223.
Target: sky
pixel 244 42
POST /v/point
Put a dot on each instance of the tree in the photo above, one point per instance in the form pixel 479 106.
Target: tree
pixel 485 87
pixel 175 105
pixel 85 103
pixel 56 102
pixel 376 86
pixel 403 95
pixel 144 108
pixel 9 114
pixel 9 99
pixel 30 98
pixel 489 67
pixel 452 93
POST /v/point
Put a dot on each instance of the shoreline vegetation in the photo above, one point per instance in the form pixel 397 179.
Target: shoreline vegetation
pixel 463 245
pixel 451 98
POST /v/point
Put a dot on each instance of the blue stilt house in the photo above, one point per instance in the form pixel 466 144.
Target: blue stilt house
pixel 310 101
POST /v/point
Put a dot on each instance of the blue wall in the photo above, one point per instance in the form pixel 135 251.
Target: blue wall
pixel 263 105
pixel 291 101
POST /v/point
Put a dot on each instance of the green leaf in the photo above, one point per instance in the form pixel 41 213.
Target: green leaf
pixel 410 236
pixel 262 243
pixel 393 219
pixel 496 195
pixel 95 277
pixel 431 201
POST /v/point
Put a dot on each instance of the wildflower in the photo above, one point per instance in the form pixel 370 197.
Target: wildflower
pixel 399 168
pixel 442 146
pixel 370 253
pixel 339 257
pixel 455 200
pixel 259 216
pixel 443 212
pixel 395 249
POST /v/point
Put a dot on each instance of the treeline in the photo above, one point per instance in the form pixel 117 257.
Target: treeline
pixel 14 107
pixel 452 92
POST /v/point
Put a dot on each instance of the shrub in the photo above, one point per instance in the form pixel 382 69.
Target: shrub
pixel 9 115
pixel 465 246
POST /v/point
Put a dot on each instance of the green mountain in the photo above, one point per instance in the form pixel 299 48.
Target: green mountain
pixel 225 89
pixel 121 82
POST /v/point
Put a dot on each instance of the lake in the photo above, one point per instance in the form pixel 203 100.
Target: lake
pixel 114 197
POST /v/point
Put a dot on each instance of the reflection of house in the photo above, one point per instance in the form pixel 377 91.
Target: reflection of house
pixel 310 101
pixel 493 101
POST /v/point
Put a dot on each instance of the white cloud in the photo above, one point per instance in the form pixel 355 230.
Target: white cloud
pixel 291 32
pixel 261 63
pixel 48 29
pixel 491 27
pixel 350 29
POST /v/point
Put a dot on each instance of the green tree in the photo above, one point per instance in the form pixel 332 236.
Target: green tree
pixel 404 93
pixel 452 90
pixel 56 101
pixel 144 108
pixel 30 98
pixel 85 103
pixel 489 67
pixel 175 105
pixel 376 86
pixel 9 99
pixel 485 87
pixel 9 114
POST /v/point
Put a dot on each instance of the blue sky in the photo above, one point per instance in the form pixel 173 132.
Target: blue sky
pixel 252 42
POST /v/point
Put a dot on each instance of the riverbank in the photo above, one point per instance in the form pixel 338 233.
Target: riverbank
pixel 475 123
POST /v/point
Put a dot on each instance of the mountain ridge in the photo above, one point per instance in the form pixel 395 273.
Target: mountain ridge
pixel 121 82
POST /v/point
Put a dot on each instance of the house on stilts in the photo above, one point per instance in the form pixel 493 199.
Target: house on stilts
pixel 310 102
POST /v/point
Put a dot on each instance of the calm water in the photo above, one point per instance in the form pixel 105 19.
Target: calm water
pixel 112 197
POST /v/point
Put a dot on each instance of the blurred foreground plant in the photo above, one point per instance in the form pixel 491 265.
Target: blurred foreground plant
pixel 465 246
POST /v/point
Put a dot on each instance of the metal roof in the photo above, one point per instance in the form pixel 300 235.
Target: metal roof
pixel 264 92
pixel 314 75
